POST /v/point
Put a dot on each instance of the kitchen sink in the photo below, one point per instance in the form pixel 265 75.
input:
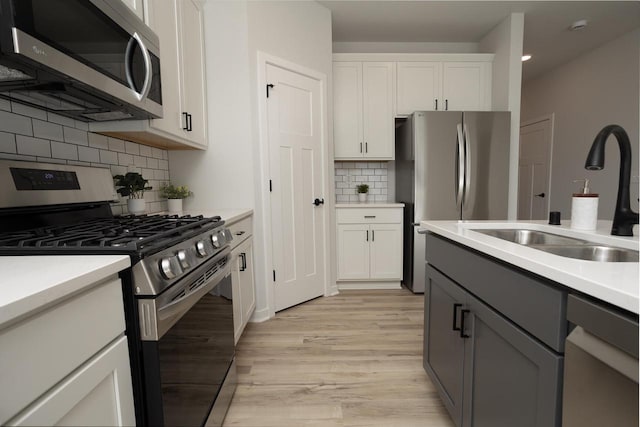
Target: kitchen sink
pixel 563 246
pixel 531 237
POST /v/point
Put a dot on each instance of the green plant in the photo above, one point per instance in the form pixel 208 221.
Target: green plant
pixel 170 191
pixel 363 188
pixel 132 185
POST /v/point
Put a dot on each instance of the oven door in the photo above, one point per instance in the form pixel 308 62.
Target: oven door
pixel 184 369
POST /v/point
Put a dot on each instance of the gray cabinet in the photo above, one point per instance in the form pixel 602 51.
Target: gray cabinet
pixel 490 371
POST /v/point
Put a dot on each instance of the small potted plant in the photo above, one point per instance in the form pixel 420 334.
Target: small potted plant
pixel 362 189
pixel 132 185
pixel 174 195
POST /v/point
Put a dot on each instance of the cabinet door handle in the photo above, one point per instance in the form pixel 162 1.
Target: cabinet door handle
pixel 240 233
pixel 446 105
pixel 367 235
pixel 373 235
pixel 369 216
pixel 366 147
pixel 455 317
pixel 436 103
pixel 361 147
pixel 462 313
pixel 243 261
pixel 189 125
pixel 186 121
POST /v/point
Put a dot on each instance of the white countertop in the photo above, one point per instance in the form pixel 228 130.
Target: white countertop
pixel 614 282
pixel 32 283
pixel 369 205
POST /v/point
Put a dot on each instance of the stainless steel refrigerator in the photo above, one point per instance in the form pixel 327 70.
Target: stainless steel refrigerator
pixel 450 165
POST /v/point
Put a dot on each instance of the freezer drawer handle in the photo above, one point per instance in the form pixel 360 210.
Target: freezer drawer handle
pixel 462 313
pixel 446 105
pixel 369 216
pixel 436 103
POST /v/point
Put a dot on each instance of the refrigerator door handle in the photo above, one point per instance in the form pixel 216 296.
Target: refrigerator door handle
pixel 467 166
pixel 459 184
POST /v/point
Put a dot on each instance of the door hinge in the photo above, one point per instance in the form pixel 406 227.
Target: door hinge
pixel 270 186
pixel 269 86
pixel 274 275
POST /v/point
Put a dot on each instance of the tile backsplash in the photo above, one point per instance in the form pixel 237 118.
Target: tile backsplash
pixel 349 174
pixel 35 135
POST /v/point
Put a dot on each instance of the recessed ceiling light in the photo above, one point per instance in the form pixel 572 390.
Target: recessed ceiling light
pixel 526 57
pixel 578 25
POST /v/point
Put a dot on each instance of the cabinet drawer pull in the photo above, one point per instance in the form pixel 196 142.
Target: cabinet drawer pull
pixel 373 235
pixel 366 147
pixel 240 233
pixel 243 261
pixel 455 317
pixel 370 216
pixel 462 313
pixel 361 147
pixel 436 103
pixel 367 235
pixel 446 105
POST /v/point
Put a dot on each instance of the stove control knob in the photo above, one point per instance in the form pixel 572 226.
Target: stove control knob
pixel 217 241
pixel 201 249
pixel 170 268
pixel 228 234
pixel 183 258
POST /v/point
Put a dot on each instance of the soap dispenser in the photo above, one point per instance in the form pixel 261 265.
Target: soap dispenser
pixel 584 208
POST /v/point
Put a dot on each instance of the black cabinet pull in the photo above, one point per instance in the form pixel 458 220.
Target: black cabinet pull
pixel 240 233
pixel 446 105
pixel 540 195
pixel 186 121
pixel 189 125
pixel 366 147
pixel 361 147
pixel 436 104
pixel 367 235
pixel 462 313
pixel 243 261
pixel 373 235
pixel 455 317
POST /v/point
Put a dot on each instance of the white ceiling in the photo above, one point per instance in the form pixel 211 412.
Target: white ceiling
pixel 546 33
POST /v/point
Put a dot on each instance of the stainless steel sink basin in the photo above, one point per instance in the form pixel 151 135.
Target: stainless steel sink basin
pixel 531 237
pixel 563 246
pixel 593 252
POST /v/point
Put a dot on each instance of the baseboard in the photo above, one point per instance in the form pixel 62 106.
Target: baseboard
pixel 259 316
pixel 368 285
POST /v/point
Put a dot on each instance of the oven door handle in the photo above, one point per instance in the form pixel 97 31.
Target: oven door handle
pixel 167 315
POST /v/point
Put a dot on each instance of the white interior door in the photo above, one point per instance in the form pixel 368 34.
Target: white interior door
pixel 295 162
pixel 534 168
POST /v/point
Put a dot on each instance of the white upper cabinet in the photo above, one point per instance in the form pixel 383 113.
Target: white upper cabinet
pixel 363 110
pixel 444 85
pixel 137 6
pixel 179 26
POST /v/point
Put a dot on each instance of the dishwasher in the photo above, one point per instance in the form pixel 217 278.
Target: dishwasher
pixel 601 366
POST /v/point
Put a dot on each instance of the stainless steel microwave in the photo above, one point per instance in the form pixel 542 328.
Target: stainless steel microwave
pixel 92 60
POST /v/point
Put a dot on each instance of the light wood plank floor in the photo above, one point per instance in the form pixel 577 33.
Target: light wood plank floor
pixel 350 360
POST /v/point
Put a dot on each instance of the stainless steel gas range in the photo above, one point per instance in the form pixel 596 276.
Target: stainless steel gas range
pixel 179 325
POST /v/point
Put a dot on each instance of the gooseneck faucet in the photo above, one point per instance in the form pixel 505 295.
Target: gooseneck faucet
pixel 623 218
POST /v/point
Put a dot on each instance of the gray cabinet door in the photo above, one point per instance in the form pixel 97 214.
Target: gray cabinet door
pixel 443 355
pixel 510 378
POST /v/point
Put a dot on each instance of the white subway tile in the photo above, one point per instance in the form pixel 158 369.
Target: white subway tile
pixel 355 172
pixel 152 163
pixel 26 110
pixel 383 178
pixel 88 154
pixel 108 157
pixel 374 191
pixel 349 191
pixel 15 123
pixel 380 198
pixel 118 170
pixel 145 150
pixel 163 164
pixel 75 136
pixel 60 150
pixel 33 146
pixel 8 156
pixel 140 161
pixel 98 141
pixel 50 160
pixel 342 185
pixel 156 152
pixel 341 171
pixel 374 165
pixel 381 172
pixel 81 125
pixel 374 178
pixel 125 159
pixel 5 104
pixel 61 120
pixel 78 163
pixel 7 143
pixel 361 165
pixel 116 145
pixel 342 198
pixel 354 198
pixel 338 191
pixel 165 155
pixel 380 185
pixel 132 148
pixel 368 172
pixel 46 130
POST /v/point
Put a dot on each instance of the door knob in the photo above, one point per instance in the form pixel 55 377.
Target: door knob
pixel 540 195
pixel 318 202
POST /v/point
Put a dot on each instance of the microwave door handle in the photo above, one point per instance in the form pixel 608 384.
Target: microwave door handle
pixel 146 86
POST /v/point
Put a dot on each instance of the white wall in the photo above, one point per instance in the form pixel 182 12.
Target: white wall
pixel 586 94
pixel 230 173
pixel 505 41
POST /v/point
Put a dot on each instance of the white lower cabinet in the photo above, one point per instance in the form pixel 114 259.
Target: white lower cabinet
pixel 369 247
pixel 69 364
pixel 242 281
